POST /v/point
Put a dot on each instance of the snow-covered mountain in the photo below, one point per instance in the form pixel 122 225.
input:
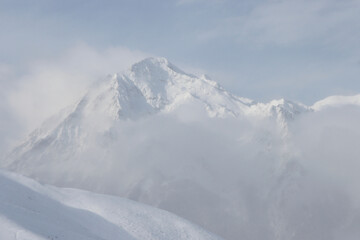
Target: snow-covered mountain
pixel 152 86
pixel 29 210
pixel 160 136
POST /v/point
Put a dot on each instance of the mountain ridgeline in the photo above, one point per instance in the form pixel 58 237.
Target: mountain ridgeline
pixel 152 86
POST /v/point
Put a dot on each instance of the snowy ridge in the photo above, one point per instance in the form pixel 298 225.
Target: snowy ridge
pixel 29 210
pixel 151 86
pixel 164 87
pixel 336 101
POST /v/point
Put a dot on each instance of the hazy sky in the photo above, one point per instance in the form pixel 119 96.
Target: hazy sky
pixel 262 49
pixel 304 50
pixel 301 50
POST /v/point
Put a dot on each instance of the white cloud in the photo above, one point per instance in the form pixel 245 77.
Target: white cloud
pixel 239 171
pixel 52 84
pixel 285 22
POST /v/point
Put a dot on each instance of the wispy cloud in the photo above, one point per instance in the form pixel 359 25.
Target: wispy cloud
pixel 290 22
pixel 50 84
pixel 284 22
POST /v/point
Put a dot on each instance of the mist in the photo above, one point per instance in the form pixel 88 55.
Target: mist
pixel 35 90
pixel 239 178
pixel 72 116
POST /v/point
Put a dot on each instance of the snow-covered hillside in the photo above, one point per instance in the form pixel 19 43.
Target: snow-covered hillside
pixel 29 210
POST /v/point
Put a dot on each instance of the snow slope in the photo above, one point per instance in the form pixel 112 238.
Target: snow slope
pixel 29 210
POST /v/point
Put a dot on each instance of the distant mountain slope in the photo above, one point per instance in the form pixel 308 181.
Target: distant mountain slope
pixel 29 210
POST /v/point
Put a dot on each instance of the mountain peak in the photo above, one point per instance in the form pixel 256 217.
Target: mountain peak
pixel 155 65
pixel 152 61
pixel 151 86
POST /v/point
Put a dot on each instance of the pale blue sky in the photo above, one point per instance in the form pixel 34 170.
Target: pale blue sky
pixel 263 49
pixel 50 50
pixel 302 50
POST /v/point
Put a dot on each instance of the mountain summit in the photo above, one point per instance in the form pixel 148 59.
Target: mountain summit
pixel 155 85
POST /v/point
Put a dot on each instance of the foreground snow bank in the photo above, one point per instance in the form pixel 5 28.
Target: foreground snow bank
pixel 29 210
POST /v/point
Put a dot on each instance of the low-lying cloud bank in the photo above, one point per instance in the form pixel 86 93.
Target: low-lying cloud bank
pixel 239 178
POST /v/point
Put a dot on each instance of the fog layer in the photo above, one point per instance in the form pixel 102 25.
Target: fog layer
pixel 240 178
